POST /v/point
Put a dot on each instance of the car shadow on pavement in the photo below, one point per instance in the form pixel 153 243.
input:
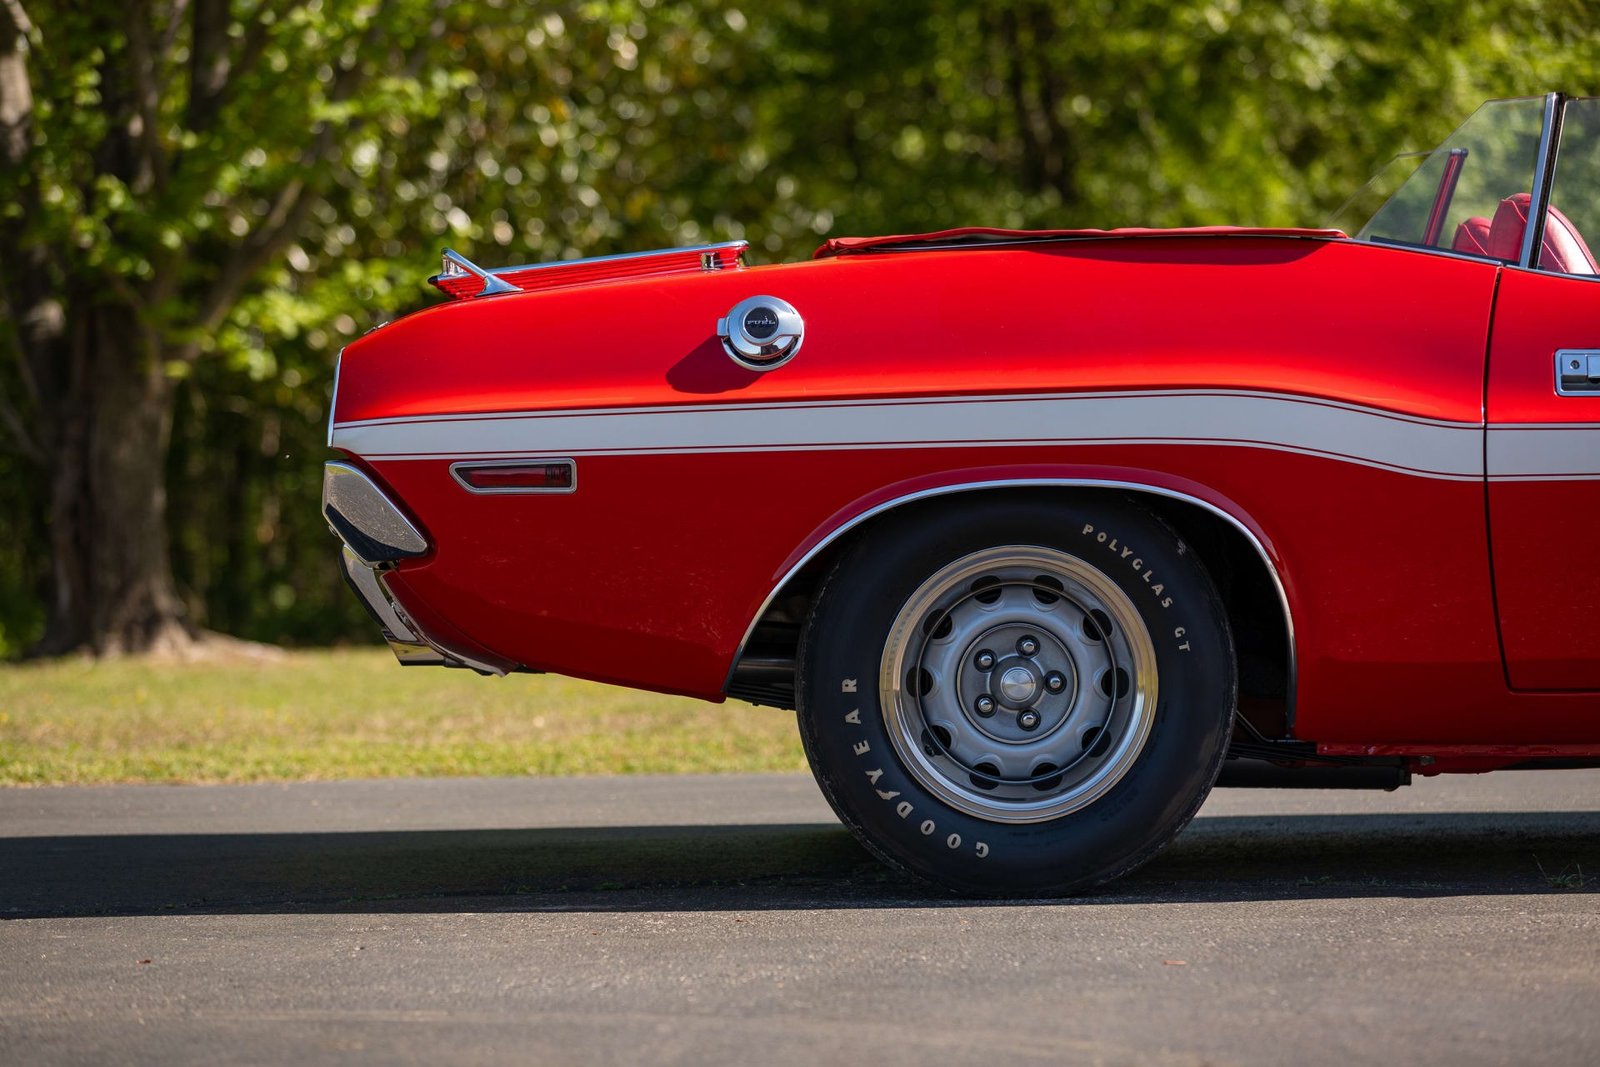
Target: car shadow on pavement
pixel 807 866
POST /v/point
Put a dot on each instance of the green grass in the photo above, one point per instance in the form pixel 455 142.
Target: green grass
pixel 357 714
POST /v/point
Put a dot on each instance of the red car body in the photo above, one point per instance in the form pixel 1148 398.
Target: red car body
pixel 1336 399
pixel 1367 437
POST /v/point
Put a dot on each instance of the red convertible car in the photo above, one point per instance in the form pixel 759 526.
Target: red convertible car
pixel 1037 531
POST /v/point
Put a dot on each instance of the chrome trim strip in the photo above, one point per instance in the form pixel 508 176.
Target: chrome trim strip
pixel 478 464
pixel 333 400
pixel 1447 253
pixel 617 257
pixel 1539 195
pixel 1476 475
pixel 1022 483
pixel 931 398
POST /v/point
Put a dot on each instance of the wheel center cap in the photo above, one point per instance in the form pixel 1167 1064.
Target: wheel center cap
pixel 1018 685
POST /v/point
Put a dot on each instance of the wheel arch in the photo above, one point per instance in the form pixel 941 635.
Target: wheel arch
pixel 1239 556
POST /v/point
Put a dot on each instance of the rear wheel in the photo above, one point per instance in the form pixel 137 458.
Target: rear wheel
pixel 1017 696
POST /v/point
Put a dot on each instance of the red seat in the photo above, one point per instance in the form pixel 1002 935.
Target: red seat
pixel 1563 247
pixel 1472 237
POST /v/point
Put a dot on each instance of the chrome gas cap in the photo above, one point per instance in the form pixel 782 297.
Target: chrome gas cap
pixel 762 332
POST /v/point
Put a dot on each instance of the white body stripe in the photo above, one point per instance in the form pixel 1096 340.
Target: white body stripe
pixel 1564 452
pixel 1431 448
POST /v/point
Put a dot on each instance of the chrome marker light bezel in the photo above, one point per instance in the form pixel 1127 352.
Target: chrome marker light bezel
pixel 457 468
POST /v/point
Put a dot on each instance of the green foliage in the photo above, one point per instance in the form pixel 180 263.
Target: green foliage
pixel 520 132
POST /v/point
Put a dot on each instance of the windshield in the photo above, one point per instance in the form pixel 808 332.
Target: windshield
pixel 1448 198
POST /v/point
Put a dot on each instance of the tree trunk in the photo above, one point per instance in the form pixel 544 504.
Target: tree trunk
pixel 114 592
pixel 98 394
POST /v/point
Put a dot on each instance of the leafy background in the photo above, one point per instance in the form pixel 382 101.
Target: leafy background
pixel 519 132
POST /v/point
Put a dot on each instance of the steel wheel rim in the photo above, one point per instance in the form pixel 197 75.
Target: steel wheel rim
pixel 994 765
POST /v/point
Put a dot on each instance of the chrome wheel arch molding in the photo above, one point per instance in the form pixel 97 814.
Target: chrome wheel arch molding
pixel 980 484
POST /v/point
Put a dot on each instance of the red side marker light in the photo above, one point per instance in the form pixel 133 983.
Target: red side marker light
pixel 536 476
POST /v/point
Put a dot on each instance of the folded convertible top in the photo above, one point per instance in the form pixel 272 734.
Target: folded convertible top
pixel 977 236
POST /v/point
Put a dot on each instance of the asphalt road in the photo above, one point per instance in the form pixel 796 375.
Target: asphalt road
pixel 730 920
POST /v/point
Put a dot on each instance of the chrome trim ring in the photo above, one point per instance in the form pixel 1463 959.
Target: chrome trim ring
pixel 1033 750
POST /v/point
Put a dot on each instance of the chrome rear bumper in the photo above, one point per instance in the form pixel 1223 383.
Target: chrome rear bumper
pixel 404 640
pixel 365 520
pixel 376 534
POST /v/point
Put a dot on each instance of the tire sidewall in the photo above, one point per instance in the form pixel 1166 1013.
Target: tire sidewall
pixel 847 739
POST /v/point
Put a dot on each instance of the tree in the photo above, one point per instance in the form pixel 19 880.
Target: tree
pixel 201 200
pixel 153 165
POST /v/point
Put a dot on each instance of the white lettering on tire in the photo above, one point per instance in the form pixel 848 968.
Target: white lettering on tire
pixel 903 809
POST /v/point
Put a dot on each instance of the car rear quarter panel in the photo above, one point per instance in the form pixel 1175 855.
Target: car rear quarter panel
pixel 650 573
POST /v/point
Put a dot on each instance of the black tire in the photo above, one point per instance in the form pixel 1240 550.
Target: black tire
pixel 899 779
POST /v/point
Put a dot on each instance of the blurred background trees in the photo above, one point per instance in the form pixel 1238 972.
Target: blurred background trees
pixel 201 201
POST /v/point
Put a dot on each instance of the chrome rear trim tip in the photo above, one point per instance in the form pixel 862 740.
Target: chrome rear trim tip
pixel 376 534
pixel 365 519
pixel 410 644
pixel 369 589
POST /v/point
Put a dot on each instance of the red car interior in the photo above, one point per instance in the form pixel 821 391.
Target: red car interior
pixel 1472 237
pixel 1563 248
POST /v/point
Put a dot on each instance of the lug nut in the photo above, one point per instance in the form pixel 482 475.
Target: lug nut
pixel 984 660
pixel 984 705
pixel 1028 646
pixel 1028 720
pixel 1055 681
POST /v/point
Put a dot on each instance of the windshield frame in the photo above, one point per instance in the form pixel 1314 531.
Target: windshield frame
pixel 1544 170
pixel 1539 189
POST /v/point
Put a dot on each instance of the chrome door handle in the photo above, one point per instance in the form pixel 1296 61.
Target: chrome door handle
pixel 1578 372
